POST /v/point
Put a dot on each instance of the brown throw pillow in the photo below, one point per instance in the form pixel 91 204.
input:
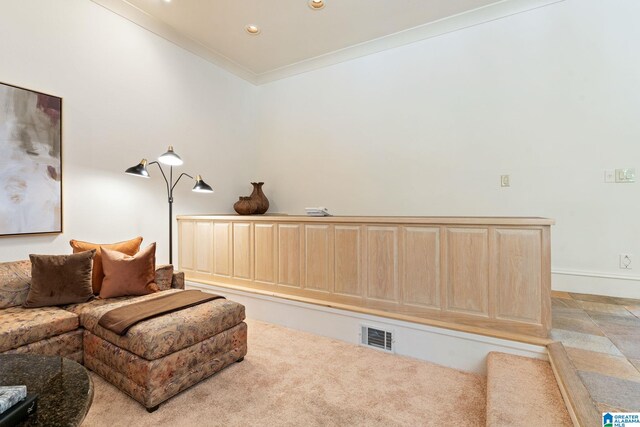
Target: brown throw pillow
pixel 129 247
pixel 15 278
pixel 60 279
pixel 128 275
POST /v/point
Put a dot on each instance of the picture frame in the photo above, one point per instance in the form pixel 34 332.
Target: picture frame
pixel 31 164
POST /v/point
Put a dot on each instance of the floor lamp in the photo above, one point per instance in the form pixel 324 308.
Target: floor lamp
pixel 171 159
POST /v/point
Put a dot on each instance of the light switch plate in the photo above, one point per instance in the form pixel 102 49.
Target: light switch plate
pixel 504 181
pixel 626 175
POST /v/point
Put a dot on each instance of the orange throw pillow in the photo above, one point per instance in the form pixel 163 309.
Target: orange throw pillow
pixel 129 247
pixel 128 275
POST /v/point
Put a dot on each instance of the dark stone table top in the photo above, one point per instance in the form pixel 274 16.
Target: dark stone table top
pixel 64 388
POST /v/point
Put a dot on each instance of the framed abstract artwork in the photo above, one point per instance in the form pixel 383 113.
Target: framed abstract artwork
pixel 31 162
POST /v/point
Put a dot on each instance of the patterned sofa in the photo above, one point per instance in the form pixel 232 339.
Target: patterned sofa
pixel 155 360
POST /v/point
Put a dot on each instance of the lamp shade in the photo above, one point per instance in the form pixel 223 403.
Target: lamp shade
pixel 201 186
pixel 139 170
pixel 170 158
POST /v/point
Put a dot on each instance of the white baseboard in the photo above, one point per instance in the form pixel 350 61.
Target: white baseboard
pixel 458 350
pixel 587 282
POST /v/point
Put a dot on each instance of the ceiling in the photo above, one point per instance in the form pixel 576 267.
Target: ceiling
pixel 295 38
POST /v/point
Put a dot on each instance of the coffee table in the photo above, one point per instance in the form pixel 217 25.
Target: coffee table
pixel 64 387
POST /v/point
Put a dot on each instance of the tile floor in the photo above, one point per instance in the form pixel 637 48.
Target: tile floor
pixel 602 338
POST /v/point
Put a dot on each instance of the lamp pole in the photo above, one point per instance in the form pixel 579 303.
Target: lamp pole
pixel 170 186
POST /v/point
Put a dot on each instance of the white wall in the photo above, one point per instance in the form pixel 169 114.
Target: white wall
pixel 551 97
pixel 128 94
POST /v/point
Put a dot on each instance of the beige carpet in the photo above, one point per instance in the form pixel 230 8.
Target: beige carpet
pixel 523 392
pixel 291 378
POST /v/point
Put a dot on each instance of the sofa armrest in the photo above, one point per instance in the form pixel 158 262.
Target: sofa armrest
pixel 177 280
pixel 167 278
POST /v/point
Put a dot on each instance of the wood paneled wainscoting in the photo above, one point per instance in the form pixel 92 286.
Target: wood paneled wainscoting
pixel 482 275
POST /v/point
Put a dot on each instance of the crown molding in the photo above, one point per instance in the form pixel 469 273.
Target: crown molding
pixel 446 25
pixel 167 32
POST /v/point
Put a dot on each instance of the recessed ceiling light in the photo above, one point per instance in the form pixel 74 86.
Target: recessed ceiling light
pixel 252 29
pixel 316 4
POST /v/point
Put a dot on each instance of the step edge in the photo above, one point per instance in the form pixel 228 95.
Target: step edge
pixel 581 407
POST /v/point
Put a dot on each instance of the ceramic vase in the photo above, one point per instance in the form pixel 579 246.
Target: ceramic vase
pixel 262 203
pixel 245 206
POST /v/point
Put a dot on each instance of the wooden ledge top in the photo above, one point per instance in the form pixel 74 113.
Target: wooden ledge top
pixel 451 325
pixel 455 220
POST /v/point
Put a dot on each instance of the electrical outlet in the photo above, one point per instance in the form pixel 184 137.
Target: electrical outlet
pixel 610 176
pixel 504 181
pixel 626 261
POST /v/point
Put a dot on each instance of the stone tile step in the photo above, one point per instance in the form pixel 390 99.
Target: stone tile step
pixel 583 410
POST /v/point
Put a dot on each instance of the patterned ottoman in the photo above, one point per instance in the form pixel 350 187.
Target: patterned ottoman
pixel 160 357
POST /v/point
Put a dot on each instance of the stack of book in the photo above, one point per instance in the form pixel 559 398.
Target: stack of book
pixel 16 405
